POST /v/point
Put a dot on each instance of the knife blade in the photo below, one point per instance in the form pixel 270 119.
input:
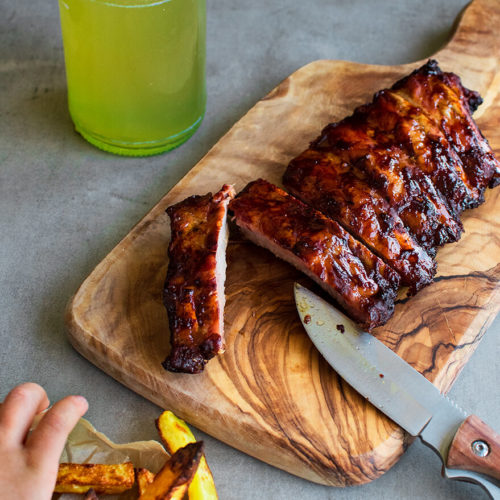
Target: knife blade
pixel 468 448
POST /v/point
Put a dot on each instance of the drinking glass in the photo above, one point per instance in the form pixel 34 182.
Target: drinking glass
pixel 135 71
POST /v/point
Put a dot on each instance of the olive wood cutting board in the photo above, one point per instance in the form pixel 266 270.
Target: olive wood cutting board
pixel 271 394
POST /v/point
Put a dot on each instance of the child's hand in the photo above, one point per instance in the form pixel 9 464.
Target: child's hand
pixel 29 464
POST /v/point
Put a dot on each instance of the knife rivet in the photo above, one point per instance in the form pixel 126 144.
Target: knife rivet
pixel 480 448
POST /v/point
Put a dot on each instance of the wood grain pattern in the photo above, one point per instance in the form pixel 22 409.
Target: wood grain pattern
pixel 472 435
pixel 271 395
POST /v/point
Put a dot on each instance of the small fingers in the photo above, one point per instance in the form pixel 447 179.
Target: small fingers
pixel 18 410
pixel 45 444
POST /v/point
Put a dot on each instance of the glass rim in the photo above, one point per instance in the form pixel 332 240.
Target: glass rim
pixel 127 4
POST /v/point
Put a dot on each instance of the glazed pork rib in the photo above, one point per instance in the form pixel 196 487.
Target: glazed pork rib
pixel 357 279
pixel 194 287
pixel 379 142
pixel 323 180
pixel 416 148
pixel 424 140
pixel 399 128
pixel 443 98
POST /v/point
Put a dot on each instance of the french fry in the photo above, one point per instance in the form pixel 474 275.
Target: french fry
pixel 175 434
pixel 103 478
pixel 172 482
pixel 143 477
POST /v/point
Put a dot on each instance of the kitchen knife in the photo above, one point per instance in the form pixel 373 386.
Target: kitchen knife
pixel 469 449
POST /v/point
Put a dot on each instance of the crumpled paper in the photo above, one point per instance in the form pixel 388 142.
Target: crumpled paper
pixel 86 445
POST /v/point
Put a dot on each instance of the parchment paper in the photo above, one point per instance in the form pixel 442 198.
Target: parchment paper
pixel 86 445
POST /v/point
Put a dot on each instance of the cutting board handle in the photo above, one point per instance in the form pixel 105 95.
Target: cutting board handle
pixel 475 447
pixel 475 47
pixel 476 32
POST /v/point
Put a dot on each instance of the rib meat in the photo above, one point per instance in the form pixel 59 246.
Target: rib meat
pixel 400 170
pixel 381 143
pixel 194 287
pixel 357 279
pixel 323 180
pixel 434 155
pixel 443 98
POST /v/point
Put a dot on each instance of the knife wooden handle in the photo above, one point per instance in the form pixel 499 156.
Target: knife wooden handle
pixel 475 447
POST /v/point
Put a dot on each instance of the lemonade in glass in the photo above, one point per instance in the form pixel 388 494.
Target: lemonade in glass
pixel 135 71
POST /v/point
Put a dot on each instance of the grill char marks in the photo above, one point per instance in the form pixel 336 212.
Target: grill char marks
pixel 443 98
pixel 381 190
pixel 360 282
pixel 381 144
pixel 193 292
pixel 432 152
pixel 323 180
pixel 400 170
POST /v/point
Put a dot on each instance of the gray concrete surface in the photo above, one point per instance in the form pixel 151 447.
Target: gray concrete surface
pixel 65 204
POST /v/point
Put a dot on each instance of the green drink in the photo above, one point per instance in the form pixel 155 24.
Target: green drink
pixel 135 71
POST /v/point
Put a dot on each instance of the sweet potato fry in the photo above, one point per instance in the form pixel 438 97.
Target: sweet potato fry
pixel 175 434
pixel 143 477
pixel 172 482
pixel 103 478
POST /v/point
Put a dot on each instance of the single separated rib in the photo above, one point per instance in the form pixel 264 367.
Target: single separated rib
pixel 318 246
pixel 194 287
